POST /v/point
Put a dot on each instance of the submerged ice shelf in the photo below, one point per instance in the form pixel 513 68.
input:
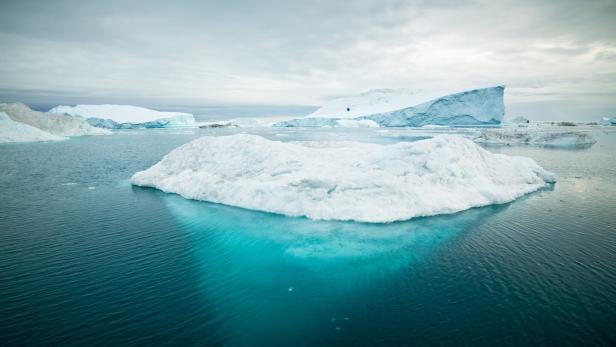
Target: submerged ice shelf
pixel 344 180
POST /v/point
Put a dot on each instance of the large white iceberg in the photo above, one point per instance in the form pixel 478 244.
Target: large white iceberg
pixel 344 180
pixel 56 124
pixel 402 108
pixel 535 137
pixel 127 117
pixel 11 131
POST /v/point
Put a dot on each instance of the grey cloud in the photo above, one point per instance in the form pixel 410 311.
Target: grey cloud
pixel 302 52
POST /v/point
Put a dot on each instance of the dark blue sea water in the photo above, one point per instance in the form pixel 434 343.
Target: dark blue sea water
pixel 86 259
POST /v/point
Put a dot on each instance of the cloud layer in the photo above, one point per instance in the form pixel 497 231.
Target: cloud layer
pixel 303 52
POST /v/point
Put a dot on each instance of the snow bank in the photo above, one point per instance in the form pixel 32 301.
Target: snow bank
pixel 344 180
pixel 56 124
pixel 11 131
pixel 535 137
pixel 127 117
pixel 401 108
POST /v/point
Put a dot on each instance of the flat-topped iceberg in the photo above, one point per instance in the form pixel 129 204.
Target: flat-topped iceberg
pixel 127 117
pixel 535 137
pixel 55 124
pixel 344 180
pixel 11 131
pixel 402 108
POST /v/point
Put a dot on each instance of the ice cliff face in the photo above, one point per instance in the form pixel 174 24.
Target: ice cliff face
pixel 11 131
pixel 127 117
pixel 395 108
pixel 56 124
pixel 474 107
pixel 344 180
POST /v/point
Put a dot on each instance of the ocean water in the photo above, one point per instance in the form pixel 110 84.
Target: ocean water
pixel 86 259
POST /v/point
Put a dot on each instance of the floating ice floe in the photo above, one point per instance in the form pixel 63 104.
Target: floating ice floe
pixel 127 117
pixel 535 137
pixel 344 180
pixel 403 108
pixel 55 124
pixel 11 131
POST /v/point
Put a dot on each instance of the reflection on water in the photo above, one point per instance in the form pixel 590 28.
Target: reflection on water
pixel 262 270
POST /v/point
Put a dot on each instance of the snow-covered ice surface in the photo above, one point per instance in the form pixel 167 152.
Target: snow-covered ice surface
pixel 362 182
pixel 11 131
pixel 402 108
pixel 56 124
pixel 374 101
pixel 127 117
pixel 536 137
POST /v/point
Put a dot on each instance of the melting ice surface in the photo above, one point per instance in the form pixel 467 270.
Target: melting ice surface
pixel 344 180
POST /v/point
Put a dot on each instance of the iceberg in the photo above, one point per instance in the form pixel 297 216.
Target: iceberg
pixel 535 138
pixel 127 117
pixel 11 131
pixel 608 121
pixel 402 108
pixel 56 124
pixel 515 121
pixel 244 122
pixel 308 123
pixel 347 181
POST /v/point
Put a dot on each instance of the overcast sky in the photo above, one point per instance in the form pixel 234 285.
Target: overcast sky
pixel 557 58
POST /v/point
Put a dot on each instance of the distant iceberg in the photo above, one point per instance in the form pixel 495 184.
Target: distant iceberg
pixel 535 137
pixel 11 131
pixel 127 117
pixel 516 121
pixel 344 180
pixel 402 108
pixel 56 124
